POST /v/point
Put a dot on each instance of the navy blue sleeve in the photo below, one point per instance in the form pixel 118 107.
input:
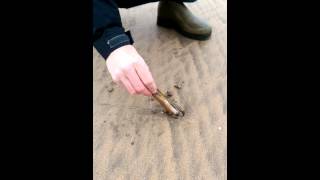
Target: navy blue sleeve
pixel 108 33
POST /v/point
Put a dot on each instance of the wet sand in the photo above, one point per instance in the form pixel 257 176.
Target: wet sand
pixel 130 140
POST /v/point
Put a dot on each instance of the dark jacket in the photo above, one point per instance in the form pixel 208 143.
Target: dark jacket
pixel 108 33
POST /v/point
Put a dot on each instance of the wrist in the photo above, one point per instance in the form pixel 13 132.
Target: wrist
pixel 107 44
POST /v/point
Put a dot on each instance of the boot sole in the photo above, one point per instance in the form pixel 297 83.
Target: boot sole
pixel 171 25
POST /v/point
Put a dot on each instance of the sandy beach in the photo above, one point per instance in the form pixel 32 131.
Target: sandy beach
pixel 132 139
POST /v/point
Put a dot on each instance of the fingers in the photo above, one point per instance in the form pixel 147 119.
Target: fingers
pixel 129 79
pixel 120 79
pixel 125 82
pixel 129 70
pixel 146 76
pixel 135 81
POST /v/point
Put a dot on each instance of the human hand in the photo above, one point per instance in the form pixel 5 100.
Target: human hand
pixel 129 70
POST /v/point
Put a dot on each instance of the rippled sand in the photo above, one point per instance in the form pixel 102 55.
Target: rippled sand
pixel 132 142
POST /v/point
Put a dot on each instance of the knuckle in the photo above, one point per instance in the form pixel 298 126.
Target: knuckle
pixel 149 83
pixel 118 74
pixel 127 69
pixel 132 92
pixel 116 79
pixel 147 94
pixel 139 90
pixel 135 63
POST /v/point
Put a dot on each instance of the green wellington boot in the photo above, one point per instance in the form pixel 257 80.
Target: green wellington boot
pixel 178 16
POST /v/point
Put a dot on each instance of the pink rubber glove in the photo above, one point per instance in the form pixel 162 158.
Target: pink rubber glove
pixel 128 69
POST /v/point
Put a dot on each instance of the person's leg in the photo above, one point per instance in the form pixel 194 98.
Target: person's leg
pixel 174 14
pixel 133 3
pixel 177 16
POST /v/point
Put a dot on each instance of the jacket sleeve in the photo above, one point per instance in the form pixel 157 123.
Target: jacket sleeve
pixel 108 33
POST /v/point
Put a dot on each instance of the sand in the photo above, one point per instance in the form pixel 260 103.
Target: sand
pixel 132 139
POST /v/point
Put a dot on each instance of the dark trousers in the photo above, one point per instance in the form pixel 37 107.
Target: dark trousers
pixel 132 3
